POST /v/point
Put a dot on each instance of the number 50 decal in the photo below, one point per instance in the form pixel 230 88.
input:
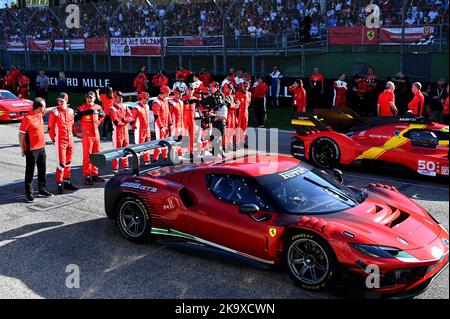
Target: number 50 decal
pixel 426 168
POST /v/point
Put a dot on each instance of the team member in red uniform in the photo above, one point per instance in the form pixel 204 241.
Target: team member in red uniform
pixel 176 108
pixel 386 101
pixel 60 124
pixel 163 120
pixel 141 122
pixel 24 86
pixel 15 75
pixel 90 115
pixel 299 96
pixel 120 117
pixel 8 81
pixel 231 121
pixel 140 82
pixel 317 85
pixel 445 109
pixel 107 100
pixel 198 87
pixel 340 91
pixel 189 103
pixel 182 72
pixel 244 98
pixel 359 90
pixel 205 77
pixel 260 91
pixel 416 105
pixel 32 146
pixel 158 80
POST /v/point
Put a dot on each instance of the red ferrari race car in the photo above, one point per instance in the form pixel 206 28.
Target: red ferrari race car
pixel 13 108
pixel 278 210
pixel 335 137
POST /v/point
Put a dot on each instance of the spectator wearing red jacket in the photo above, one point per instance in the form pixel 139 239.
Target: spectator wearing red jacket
pixel 298 96
pixel 183 72
pixel 140 82
pixel 260 91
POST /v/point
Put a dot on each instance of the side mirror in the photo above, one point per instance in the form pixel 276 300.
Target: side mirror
pixel 248 209
pixel 338 175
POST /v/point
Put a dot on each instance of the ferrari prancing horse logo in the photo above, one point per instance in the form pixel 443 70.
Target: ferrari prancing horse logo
pixel 272 232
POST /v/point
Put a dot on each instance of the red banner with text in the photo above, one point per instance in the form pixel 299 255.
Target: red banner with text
pixel 352 36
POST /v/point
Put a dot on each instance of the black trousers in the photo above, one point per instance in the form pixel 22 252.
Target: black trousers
pixel 217 142
pixel 107 126
pixel 260 113
pixel 35 158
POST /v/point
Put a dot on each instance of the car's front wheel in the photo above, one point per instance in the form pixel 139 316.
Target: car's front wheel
pixel 133 219
pixel 310 261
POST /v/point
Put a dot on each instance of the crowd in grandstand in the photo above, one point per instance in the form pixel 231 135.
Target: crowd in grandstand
pixel 205 17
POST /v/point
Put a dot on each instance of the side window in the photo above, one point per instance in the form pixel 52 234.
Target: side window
pixel 236 189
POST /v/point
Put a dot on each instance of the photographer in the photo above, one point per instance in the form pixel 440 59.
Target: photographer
pixel 219 123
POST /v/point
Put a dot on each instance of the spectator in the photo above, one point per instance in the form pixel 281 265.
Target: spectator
pixel 359 90
pixel 62 82
pixel 445 109
pixel 437 97
pixel 317 85
pixel 42 85
pixel 386 101
pixel 371 94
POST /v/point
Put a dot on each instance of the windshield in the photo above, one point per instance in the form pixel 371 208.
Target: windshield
pixel 310 192
pixel 7 95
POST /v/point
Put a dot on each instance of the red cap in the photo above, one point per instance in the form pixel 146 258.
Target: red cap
pixel 143 95
pixel 177 90
pixel 214 84
pixel 164 89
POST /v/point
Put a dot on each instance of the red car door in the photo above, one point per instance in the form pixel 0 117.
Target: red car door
pixel 215 215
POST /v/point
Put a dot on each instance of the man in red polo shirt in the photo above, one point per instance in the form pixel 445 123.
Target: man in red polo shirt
pixel 32 145
pixel 260 91
pixel 417 103
pixel 386 101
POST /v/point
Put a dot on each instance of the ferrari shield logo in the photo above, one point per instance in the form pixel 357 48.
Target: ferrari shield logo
pixel 370 35
pixel 272 232
pixel 426 30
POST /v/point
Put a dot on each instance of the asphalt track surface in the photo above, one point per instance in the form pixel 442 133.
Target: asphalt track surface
pixel 38 241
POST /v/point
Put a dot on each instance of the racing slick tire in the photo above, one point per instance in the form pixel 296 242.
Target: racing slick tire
pixel 325 153
pixel 133 219
pixel 310 261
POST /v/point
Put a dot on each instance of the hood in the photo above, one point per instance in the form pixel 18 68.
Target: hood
pixel 388 224
pixel 16 105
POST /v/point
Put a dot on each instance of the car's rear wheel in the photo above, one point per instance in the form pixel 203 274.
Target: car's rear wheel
pixel 310 261
pixel 325 153
pixel 133 219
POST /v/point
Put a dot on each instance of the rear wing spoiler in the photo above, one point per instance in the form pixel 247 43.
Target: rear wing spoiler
pixel 100 159
pixel 306 123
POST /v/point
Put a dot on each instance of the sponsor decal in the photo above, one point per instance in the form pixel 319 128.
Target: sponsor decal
pixel 362 133
pixel 272 232
pixel 293 173
pixel 139 186
pixel 444 170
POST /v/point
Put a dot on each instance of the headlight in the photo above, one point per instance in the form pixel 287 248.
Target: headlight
pixel 12 114
pixel 384 252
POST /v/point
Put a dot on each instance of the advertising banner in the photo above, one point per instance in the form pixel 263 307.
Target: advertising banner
pixel 352 36
pixel 96 45
pixel 135 46
pixel 40 45
pixel 15 45
pixel 413 35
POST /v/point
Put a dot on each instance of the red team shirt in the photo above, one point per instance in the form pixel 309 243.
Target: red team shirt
pixel 385 99
pixel 416 104
pixel 299 98
pixel 106 103
pixel 33 127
